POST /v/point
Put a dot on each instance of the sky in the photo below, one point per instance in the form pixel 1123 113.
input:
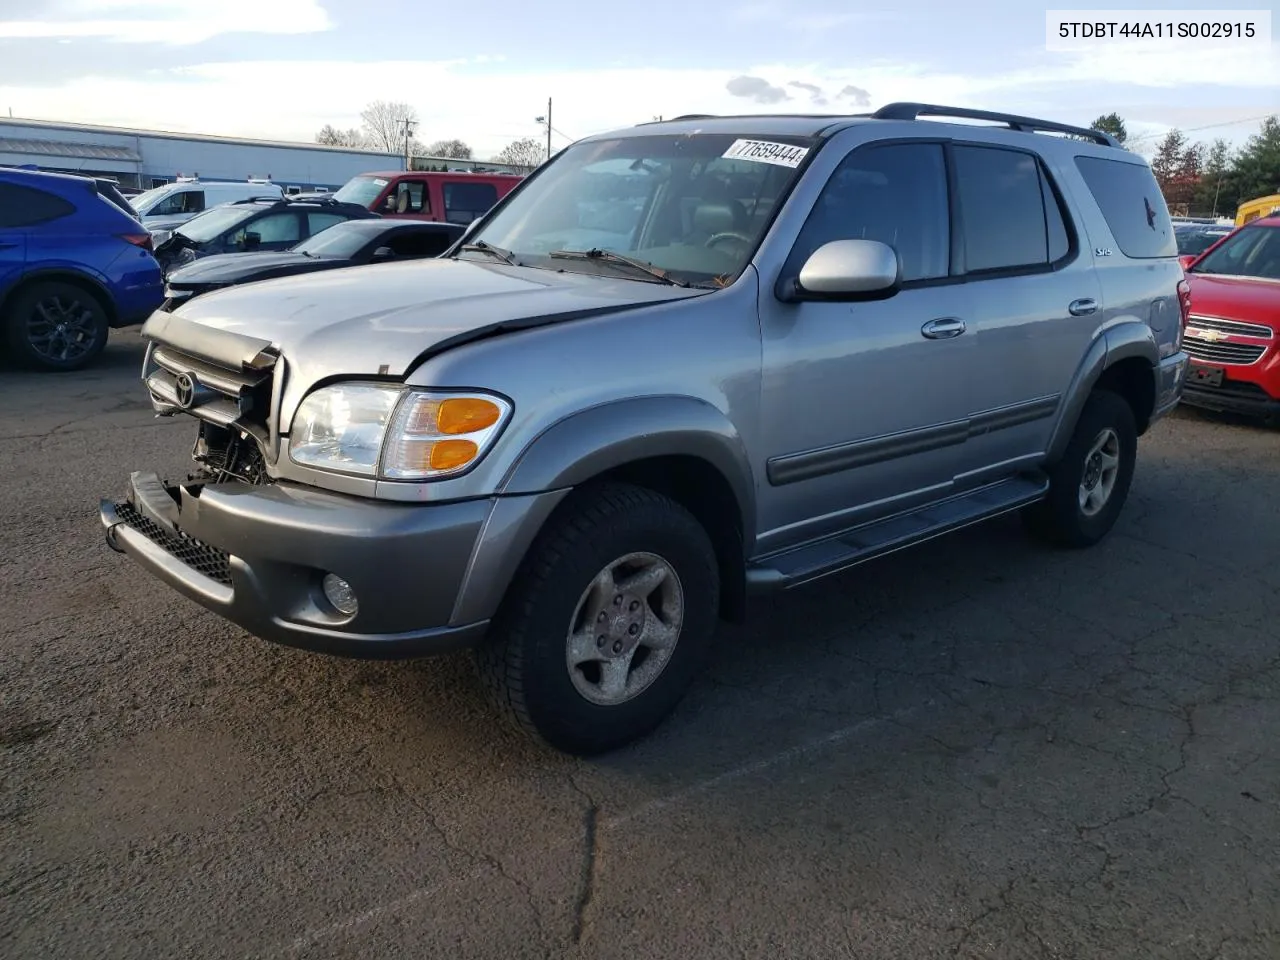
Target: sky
pixel 483 72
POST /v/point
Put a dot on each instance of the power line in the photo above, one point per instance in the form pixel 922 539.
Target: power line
pixel 1207 126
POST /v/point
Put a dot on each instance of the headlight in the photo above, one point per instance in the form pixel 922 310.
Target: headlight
pixel 411 434
pixel 177 293
pixel 341 427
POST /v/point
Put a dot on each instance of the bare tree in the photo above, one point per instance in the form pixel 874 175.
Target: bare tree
pixel 384 125
pixel 455 149
pixel 527 152
pixel 331 136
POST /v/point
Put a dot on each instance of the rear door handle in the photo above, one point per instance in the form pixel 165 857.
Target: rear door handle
pixel 1082 308
pixel 944 328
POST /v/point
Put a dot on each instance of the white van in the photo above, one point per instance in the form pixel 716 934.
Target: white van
pixel 176 203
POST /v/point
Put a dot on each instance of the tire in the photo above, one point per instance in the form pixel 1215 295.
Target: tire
pixel 1070 515
pixel 55 326
pixel 528 659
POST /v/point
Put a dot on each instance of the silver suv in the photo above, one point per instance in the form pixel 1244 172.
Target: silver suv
pixel 680 365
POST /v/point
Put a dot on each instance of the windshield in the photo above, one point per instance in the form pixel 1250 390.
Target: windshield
pixel 360 190
pixel 1249 252
pixel 215 222
pixel 341 240
pixel 1196 242
pixel 694 206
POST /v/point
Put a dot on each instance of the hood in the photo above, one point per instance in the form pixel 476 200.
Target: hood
pixel 1235 298
pixel 164 222
pixel 234 267
pixel 379 320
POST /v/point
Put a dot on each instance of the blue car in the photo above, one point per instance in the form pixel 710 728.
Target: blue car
pixel 75 261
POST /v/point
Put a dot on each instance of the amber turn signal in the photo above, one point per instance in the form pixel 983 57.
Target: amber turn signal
pixel 451 454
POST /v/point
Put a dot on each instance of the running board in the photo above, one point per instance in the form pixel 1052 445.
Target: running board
pixel 812 561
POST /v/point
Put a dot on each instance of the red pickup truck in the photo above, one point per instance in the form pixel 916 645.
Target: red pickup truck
pixel 424 195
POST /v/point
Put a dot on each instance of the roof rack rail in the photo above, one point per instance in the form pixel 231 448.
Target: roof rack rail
pixel 683 116
pixel 913 111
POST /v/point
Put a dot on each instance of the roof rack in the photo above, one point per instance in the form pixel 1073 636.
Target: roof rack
pixel 913 111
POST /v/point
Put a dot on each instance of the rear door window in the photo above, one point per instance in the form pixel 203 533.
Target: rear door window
pixel 22 206
pixel 1132 205
pixel 317 222
pixel 464 202
pixel 1003 210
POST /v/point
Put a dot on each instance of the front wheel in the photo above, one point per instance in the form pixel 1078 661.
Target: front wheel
pixel 1089 485
pixel 608 622
pixel 55 326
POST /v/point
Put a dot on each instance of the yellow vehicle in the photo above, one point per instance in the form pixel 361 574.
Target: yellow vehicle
pixel 1253 209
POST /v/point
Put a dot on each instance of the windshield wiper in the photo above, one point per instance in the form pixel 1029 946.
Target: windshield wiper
pixel 608 256
pixel 481 246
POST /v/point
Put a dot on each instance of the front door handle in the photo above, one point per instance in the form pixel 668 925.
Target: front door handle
pixel 6 245
pixel 1083 307
pixel 944 328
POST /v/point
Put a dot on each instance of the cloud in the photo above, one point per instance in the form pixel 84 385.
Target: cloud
pixel 816 96
pixel 475 103
pixel 174 22
pixel 859 96
pixel 756 89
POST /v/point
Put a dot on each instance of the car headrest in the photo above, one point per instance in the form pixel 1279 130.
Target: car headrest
pixel 714 218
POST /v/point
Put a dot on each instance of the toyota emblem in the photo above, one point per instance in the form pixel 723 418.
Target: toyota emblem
pixel 184 389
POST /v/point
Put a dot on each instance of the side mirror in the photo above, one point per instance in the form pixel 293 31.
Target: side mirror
pixel 383 253
pixel 251 241
pixel 849 270
pixel 1187 259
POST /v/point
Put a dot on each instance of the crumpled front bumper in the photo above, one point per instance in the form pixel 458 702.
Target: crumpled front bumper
pixel 256 554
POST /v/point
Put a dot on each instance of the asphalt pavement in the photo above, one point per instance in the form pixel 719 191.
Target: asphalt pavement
pixel 978 748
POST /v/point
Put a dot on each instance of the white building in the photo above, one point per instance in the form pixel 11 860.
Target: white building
pixel 148 158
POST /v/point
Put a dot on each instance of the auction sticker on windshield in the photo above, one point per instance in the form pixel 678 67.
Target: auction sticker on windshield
pixel 764 151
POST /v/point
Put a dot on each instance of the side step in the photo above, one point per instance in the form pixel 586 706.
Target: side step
pixel 812 561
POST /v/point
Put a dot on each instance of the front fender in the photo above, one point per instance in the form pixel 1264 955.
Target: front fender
pixel 586 444
pixel 1120 341
pixel 578 448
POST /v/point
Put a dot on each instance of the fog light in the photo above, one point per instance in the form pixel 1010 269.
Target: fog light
pixel 338 592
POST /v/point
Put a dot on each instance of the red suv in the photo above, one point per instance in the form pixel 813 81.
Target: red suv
pixel 450 197
pixel 1231 335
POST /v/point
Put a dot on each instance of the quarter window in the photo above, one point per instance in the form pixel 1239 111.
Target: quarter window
pixel 1133 206
pixel 896 194
pixel 1010 218
pixel 464 202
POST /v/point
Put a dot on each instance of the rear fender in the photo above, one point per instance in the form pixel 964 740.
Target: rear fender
pixel 1129 338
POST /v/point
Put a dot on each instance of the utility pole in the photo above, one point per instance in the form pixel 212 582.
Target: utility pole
pixel 548 128
pixel 408 137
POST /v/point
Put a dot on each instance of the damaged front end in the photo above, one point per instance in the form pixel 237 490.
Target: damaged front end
pixel 229 383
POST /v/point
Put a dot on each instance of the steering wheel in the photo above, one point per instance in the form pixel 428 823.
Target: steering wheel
pixel 727 235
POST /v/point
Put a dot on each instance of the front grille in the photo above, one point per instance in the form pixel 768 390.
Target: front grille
pixel 222 395
pixel 210 561
pixel 1237 327
pixel 1208 351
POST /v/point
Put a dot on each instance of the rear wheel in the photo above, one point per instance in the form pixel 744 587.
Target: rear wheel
pixel 608 621
pixel 55 326
pixel 1089 485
